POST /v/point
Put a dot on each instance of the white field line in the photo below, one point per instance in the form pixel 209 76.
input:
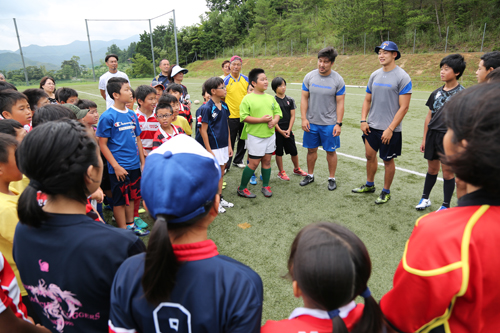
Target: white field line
pixel 83 92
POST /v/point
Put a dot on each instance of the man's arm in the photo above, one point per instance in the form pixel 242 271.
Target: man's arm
pixel 340 114
pixel 304 104
pixel 119 171
pixel 404 104
pixel 103 94
pixel 364 113
pixel 426 128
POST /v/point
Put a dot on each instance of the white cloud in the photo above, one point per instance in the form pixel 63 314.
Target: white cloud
pixel 60 22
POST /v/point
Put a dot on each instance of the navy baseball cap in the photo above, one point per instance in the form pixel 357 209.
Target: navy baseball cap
pixel 388 46
pixel 179 178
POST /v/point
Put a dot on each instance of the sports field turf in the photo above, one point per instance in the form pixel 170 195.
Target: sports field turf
pixel 259 232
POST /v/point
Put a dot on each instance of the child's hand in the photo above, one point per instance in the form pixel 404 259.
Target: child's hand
pixel 286 134
pixel 266 119
pixel 121 173
pixel 230 151
pixel 271 124
pixel 98 195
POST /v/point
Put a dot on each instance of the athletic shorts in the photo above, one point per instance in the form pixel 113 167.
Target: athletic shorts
pixel 127 191
pixel 386 152
pixel 105 185
pixel 433 145
pixel 288 144
pixel 258 147
pixel 221 155
pixel 321 135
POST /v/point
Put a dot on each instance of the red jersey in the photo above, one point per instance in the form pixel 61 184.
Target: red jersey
pixel 10 295
pixel 304 320
pixel 448 277
pixel 149 126
pixel 161 136
pixel 186 113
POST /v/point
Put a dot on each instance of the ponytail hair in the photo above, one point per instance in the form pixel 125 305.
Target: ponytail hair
pixel 332 266
pixel 161 264
pixel 55 157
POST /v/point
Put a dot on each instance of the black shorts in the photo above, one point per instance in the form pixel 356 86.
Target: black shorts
pixel 386 152
pixel 433 145
pixel 105 184
pixel 287 143
pixel 128 190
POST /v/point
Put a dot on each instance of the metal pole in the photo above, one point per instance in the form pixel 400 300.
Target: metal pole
pixel 175 37
pixel 265 49
pixel 342 44
pixel 215 56
pixel 90 49
pixel 364 51
pixel 446 45
pixel 207 54
pixel 414 39
pixel 278 48
pixel 242 53
pixel 152 49
pixel 291 48
pixel 388 35
pixel 483 37
pixel 254 50
pixel 307 46
pixel 21 51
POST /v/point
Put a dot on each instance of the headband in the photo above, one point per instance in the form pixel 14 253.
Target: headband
pixel 235 57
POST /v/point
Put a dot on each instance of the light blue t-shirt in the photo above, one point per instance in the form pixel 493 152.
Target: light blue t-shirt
pixel 386 87
pixel 122 129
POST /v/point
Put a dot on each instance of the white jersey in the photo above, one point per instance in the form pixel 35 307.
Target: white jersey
pixel 103 81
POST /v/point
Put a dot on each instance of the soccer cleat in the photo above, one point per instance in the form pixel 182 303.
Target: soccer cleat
pixel 332 184
pixel 225 203
pixel 383 198
pixel 423 204
pixel 283 176
pixel 307 180
pixel 267 191
pixel 441 208
pixel 138 231
pixel 245 193
pixel 299 172
pixel 253 180
pixel 221 209
pixel 141 211
pixel 261 177
pixel 239 165
pixel 224 183
pixel 364 189
pixel 140 223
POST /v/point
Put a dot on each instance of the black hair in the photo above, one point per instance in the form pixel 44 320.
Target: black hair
pixel 143 91
pixel 277 81
pixel 9 98
pixel 328 52
pixel 474 114
pixel 65 93
pixel 109 56
pixel 493 76
pixel 115 85
pixel 164 106
pixel 161 264
pixel 203 90
pixel 213 83
pixel 332 266
pixel 6 85
pixel 44 80
pixel 6 141
pixel 55 157
pixel 51 112
pixel 456 62
pixel 225 62
pixel 9 126
pixel 86 104
pixel 174 87
pixel 254 75
pixel 491 60
pixel 133 92
pixel 167 99
pixel 34 96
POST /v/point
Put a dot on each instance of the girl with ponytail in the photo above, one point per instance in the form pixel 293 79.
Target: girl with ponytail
pixel 66 260
pixel 330 267
pixel 182 284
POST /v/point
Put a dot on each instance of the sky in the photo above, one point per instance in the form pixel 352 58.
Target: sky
pixel 56 22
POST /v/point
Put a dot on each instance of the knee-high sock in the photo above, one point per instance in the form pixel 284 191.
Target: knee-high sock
pixel 430 180
pixel 266 175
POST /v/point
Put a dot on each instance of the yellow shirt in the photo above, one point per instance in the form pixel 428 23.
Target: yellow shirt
pixel 8 223
pixel 236 90
pixel 184 124
pixel 20 185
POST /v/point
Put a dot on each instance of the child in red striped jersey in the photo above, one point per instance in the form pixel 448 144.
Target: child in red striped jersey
pixel 166 130
pixel 147 100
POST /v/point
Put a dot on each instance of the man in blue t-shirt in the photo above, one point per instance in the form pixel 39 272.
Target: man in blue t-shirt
pixel 162 78
pixel 387 100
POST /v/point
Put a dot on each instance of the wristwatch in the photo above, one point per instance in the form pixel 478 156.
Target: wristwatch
pixel 340 124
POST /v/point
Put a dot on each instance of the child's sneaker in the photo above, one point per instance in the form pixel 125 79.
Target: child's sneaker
pixel 267 191
pixel 283 176
pixel 441 208
pixel 140 223
pixel 299 172
pixel 423 204
pixel 221 209
pixel 383 198
pixel 364 189
pixel 225 203
pixel 253 180
pixel 138 231
pixel 141 211
pixel 245 193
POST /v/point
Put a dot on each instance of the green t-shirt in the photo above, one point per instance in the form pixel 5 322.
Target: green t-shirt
pixel 258 106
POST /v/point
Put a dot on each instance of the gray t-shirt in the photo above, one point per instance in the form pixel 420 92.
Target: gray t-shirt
pixel 323 92
pixel 386 87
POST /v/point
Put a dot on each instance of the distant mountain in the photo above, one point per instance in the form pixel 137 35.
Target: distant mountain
pixel 11 61
pixel 55 55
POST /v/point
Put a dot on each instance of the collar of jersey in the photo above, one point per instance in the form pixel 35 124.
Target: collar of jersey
pixel 121 111
pixel 321 314
pixel 479 198
pixel 235 80
pixel 145 116
pixel 195 251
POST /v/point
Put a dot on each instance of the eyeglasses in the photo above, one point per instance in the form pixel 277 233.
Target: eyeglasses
pixel 221 88
pixel 164 116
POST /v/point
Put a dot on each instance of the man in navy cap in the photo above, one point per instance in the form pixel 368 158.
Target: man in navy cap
pixel 387 100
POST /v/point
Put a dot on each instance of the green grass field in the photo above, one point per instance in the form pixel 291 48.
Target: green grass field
pixel 274 222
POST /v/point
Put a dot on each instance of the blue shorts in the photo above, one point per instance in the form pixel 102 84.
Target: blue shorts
pixel 386 152
pixel 127 191
pixel 321 135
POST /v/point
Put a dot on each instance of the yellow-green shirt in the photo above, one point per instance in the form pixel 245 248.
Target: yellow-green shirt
pixel 20 185
pixel 8 223
pixel 236 91
pixel 258 106
pixel 184 124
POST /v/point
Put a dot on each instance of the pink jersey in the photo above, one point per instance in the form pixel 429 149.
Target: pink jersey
pixel 149 126
pixel 10 295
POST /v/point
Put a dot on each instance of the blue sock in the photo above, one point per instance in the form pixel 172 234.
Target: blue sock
pixel 370 183
pixel 386 191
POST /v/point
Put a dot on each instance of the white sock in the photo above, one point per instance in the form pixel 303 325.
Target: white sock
pixel 331 178
pixel 311 175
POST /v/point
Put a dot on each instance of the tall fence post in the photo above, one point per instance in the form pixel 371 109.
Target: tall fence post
pixel 388 35
pixel 343 44
pixel 152 47
pixel 254 50
pixel 414 39
pixel 278 48
pixel 21 51
pixel 484 32
pixel 446 45
pixel 90 49
pixel 265 49
pixel 215 56
pixel 307 46
pixel 242 52
pixel 364 50
pixel 291 48
pixel 175 38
